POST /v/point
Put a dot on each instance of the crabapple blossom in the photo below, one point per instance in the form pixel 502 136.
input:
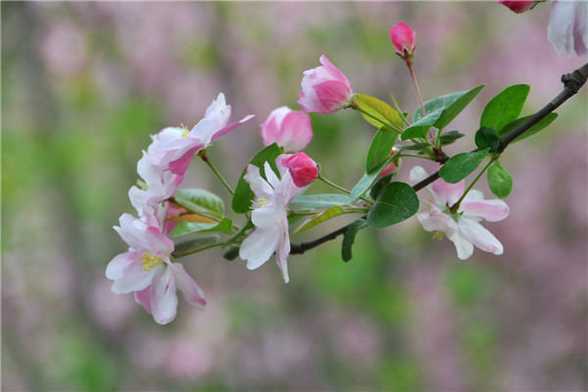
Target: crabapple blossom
pixel 518 6
pixel 173 148
pixel 302 168
pixel 287 128
pixel 324 89
pixel 146 270
pixel 403 39
pixel 568 27
pixel 270 217
pixel 461 227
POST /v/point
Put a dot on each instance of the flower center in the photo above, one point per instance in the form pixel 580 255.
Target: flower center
pixel 185 133
pixel 261 202
pixel 150 261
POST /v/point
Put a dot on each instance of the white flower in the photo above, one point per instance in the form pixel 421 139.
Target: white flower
pixel 146 270
pixel 270 217
pixel 463 227
pixel 568 27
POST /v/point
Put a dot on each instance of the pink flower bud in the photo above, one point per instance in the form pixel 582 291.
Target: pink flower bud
pixel 391 168
pixel 290 129
pixel 518 6
pixel 324 89
pixel 302 168
pixel 403 39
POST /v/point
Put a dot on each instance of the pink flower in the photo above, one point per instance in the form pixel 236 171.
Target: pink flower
pixel 568 27
pixel 518 6
pixel 302 168
pixel 270 218
pixel 403 39
pixel 173 148
pixel 146 270
pixel 463 227
pixel 324 89
pixel 287 128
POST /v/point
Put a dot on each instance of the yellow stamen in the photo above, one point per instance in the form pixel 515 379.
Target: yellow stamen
pixel 150 261
pixel 185 133
pixel 438 235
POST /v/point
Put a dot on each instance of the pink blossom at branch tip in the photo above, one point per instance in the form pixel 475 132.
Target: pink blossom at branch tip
pixel 289 129
pixel 518 6
pixel 568 27
pixel 461 227
pixel 403 39
pixel 303 168
pixel 324 89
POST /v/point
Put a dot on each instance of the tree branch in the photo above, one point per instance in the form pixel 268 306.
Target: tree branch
pixel 572 83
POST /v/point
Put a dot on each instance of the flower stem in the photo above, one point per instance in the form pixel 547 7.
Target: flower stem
pixel 333 185
pixel 417 88
pixel 455 207
pixel 216 171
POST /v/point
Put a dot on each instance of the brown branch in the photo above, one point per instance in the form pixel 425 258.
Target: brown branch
pixel 572 83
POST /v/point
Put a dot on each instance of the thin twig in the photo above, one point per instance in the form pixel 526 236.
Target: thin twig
pixel 572 83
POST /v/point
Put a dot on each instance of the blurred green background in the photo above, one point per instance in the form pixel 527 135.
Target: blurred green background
pixel 85 84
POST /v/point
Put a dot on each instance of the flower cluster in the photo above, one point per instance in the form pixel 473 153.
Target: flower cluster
pixel 269 193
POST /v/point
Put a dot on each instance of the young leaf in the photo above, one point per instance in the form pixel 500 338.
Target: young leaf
pixel 499 180
pixel 504 107
pixel 379 150
pixel 379 112
pixel 544 123
pixel 450 137
pixel 201 201
pixel 461 165
pixel 320 217
pixel 450 105
pixel 487 138
pixel 319 201
pixel 349 238
pixel 184 228
pixel 397 202
pixel 243 193
pixel 366 182
pixel 419 128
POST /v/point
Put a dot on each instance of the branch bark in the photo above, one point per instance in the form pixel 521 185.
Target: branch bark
pixel 572 83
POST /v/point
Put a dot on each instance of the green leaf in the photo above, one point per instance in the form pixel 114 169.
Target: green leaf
pixel 366 182
pixel 184 228
pixel 200 201
pixel 379 186
pixel 419 128
pixel 397 202
pixel 321 217
pixel 379 150
pixel 319 201
pixel 461 165
pixel 504 107
pixel 487 138
pixel 450 137
pixel 379 112
pixel 544 123
pixel 450 105
pixel 188 247
pixel 243 193
pixel 349 238
pixel 499 180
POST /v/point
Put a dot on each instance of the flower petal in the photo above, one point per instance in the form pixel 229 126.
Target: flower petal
pixel 446 193
pixel 135 278
pixel 259 246
pixel 417 173
pixel 193 294
pixel 284 251
pixel 258 184
pixel 479 236
pixel 491 210
pixel 164 301
pixel 463 247
pixel 117 266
